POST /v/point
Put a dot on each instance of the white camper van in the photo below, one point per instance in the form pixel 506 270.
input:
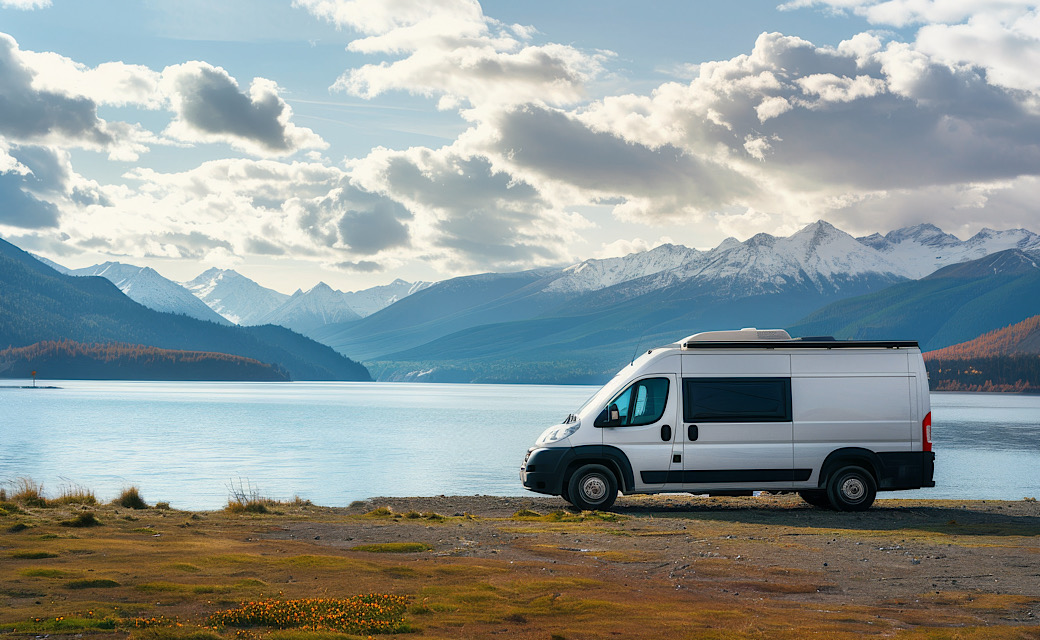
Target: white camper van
pixel 733 412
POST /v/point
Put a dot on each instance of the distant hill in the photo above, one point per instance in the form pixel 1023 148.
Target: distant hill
pixel 67 360
pixel 38 304
pixel 1007 359
pixel 955 304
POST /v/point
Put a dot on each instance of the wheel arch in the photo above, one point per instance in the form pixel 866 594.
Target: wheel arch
pixel 850 456
pixel 612 458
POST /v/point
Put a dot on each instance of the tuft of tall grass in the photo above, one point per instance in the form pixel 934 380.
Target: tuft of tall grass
pixel 74 494
pixel 29 493
pixel 130 498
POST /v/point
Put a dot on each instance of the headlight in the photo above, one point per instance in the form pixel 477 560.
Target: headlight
pixel 559 432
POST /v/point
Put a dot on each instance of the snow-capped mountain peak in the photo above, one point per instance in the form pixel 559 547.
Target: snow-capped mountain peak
pixel 145 286
pixel 234 296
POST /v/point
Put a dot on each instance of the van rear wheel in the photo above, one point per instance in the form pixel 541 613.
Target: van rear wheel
pixel 592 487
pixel 851 488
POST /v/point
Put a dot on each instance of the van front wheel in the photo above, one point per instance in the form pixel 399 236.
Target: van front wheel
pixel 851 489
pixel 592 487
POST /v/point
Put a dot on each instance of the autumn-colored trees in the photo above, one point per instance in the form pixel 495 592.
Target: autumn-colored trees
pixel 69 360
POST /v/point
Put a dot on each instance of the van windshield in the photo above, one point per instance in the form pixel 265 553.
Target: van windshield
pixel 599 399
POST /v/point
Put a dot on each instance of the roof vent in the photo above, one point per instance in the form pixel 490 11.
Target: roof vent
pixel 744 335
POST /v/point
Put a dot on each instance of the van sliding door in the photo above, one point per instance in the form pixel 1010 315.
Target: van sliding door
pixel 737 433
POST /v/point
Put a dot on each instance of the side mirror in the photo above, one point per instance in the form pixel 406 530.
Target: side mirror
pixel 609 417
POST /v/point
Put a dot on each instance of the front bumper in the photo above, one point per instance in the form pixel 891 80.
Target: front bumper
pixel 543 468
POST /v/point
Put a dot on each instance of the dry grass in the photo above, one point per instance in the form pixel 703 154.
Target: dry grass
pixel 29 493
pixel 113 582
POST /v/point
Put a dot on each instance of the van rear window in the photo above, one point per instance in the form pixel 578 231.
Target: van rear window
pixel 737 399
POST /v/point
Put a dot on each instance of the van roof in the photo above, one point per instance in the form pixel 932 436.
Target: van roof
pixel 780 339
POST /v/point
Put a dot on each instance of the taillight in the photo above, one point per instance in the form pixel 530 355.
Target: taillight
pixel 926 432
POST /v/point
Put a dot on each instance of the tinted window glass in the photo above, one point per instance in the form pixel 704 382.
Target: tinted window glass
pixel 737 399
pixel 642 403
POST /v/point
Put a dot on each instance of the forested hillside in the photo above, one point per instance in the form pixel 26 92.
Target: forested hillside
pixel 39 304
pixel 1007 359
pixel 68 360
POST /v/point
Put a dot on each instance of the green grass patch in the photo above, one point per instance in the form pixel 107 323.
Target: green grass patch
pixel 173 633
pixel 148 530
pixel 40 572
pixel 380 512
pixel 33 555
pixel 95 583
pixel 566 516
pixel 18 527
pixel 184 567
pixel 362 614
pixel 9 508
pixel 393 547
pixel 86 519
pixel 62 624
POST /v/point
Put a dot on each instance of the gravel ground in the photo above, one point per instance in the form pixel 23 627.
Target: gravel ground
pixel 899 550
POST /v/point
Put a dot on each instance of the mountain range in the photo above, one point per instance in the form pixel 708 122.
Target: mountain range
pixel 579 323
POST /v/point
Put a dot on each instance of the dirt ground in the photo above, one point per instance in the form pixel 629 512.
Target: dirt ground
pixel 897 550
pixel 673 566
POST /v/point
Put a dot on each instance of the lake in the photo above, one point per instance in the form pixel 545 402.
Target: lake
pixel 191 443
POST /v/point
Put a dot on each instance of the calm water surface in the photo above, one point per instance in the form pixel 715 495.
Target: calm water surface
pixel 332 443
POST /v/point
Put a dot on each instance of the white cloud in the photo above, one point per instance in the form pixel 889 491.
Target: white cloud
pixel 36 114
pixel 451 50
pixel 209 107
pixel 25 5
pixel 111 83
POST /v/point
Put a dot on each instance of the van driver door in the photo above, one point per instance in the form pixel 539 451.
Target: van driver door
pixel 643 422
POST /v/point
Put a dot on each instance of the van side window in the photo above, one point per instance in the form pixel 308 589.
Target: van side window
pixel 737 399
pixel 640 404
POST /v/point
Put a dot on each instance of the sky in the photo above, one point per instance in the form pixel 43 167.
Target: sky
pixel 359 141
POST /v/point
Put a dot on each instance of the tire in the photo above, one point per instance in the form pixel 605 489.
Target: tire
pixel 851 488
pixel 817 498
pixel 592 487
pixel 565 494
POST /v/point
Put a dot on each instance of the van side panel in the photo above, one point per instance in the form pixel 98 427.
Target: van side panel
pixel 852 400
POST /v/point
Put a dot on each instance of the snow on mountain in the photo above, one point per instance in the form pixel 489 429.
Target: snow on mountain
pixel 308 310
pixel 367 301
pixel 145 286
pixel 818 257
pixel 53 265
pixel 922 249
pixel 592 275
pixel 235 296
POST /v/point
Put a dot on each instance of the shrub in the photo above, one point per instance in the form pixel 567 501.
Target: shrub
pixel 131 498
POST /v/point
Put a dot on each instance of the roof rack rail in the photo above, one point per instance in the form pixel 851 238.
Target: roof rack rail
pixel 813 343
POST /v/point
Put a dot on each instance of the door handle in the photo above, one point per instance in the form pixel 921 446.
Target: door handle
pixel 666 432
pixel 691 432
